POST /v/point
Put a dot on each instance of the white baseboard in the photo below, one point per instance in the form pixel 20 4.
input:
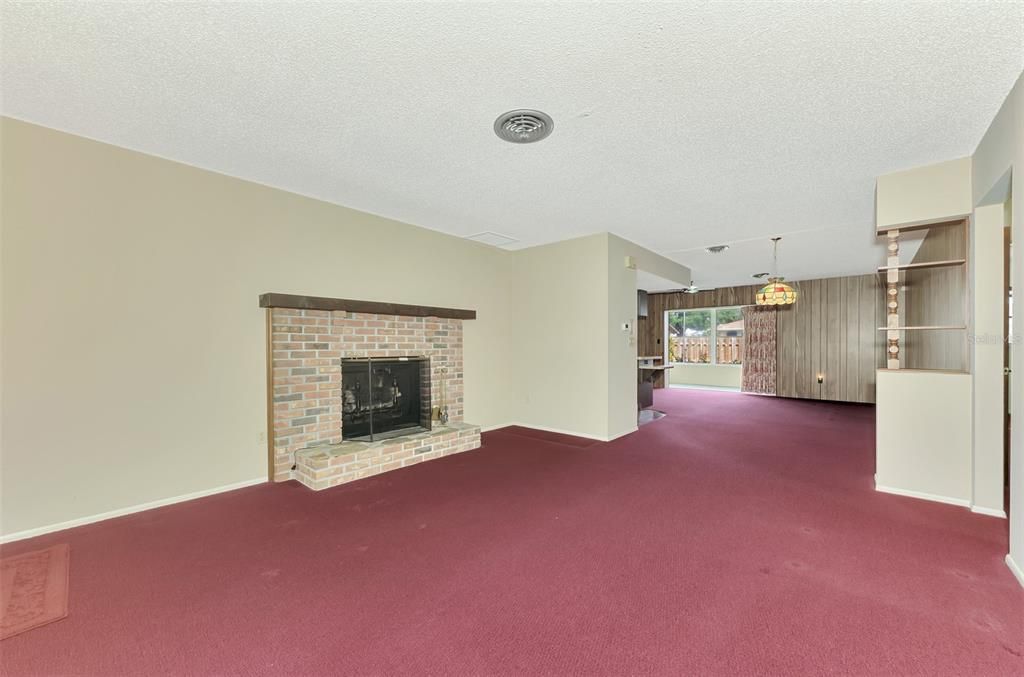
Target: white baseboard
pixel 623 434
pixel 573 433
pixel 991 512
pixel 962 502
pixel 60 526
pixel 1016 569
pixel 489 428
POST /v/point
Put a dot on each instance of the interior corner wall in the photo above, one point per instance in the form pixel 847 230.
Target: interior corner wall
pixel 999 155
pixel 560 310
pixel 621 342
pixel 133 348
pixel 622 310
pixel 575 364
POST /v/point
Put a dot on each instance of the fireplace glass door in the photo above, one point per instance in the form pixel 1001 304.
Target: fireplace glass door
pixel 383 398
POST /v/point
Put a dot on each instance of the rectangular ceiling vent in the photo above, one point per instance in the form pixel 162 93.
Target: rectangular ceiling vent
pixel 493 239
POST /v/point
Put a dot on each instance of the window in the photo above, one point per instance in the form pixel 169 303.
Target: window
pixel 705 336
pixel 728 336
pixel 689 336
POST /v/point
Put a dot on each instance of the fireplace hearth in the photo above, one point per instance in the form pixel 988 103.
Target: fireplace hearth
pixel 354 390
pixel 385 397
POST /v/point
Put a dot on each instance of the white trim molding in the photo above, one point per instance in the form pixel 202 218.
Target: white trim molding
pixel 622 434
pixel 962 502
pixel 1017 571
pixel 120 512
pixel 991 512
pixel 560 431
pixel 496 426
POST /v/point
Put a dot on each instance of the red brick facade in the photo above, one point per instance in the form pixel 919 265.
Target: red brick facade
pixel 307 349
pixel 328 466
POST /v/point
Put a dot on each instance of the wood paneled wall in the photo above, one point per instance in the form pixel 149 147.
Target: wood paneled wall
pixel 832 329
pixel 936 296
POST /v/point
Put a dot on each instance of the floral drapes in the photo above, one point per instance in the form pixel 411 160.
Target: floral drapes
pixel 759 359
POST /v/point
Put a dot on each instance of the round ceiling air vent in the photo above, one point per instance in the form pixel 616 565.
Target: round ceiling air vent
pixel 523 126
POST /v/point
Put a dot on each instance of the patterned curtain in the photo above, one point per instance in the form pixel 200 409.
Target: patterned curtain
pixel 759 333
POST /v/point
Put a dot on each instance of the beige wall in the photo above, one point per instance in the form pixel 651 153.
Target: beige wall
pixel 1000 156
pixel 923 435
pixel 576 366
pixel 133 346
pixel 561 311
pixel 986 347
pixel 133 349
pixel 723 375
pixel 941 190
pixel 622 345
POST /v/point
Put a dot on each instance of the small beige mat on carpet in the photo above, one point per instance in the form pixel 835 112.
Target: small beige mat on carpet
pixel 34 589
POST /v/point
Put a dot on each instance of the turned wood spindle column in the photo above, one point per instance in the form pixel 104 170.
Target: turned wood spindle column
pixel 892 304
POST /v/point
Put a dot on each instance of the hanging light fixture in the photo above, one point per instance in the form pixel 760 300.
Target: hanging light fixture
pixel 776 292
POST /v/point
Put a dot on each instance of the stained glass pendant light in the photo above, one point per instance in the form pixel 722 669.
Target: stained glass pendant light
pixel 776 292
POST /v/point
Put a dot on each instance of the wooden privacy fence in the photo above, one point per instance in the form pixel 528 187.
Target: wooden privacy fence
pixel 698 349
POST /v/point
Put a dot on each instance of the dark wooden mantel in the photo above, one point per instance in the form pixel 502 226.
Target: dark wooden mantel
pixel 324 303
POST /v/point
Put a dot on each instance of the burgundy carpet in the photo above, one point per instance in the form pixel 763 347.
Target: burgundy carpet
pixel 737 536
pixel 34 589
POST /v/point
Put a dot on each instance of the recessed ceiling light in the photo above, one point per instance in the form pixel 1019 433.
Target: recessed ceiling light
pixel 717 249
pixel 523 126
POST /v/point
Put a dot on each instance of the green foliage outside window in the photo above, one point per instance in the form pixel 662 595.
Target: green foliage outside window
pixel 705 336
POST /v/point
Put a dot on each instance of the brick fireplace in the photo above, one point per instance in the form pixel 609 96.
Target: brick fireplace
pixel 311 337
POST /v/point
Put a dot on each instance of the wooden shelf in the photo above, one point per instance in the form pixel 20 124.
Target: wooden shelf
pixel 931 327
pixel 921 266
pixel 937 297
pixel 324 303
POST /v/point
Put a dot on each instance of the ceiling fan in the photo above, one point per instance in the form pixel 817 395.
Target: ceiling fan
pixel 693 289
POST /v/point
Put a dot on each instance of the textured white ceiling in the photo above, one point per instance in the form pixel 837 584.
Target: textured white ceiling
pixel 677 125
